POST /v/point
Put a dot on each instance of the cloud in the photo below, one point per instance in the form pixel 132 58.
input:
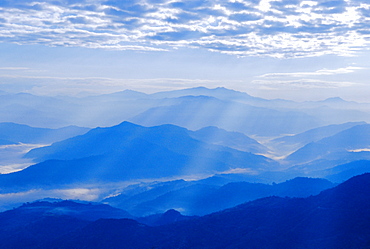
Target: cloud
pixel 320 72
pixel 289 28
pixel 323 78
pixel 14 68
pixel 303 83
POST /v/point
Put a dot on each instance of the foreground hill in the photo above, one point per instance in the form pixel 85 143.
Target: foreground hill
pixel 336 218
pixel 34 223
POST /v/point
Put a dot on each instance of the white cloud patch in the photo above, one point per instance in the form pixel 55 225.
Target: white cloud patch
pixel 320 72
pixel 88 193
pixel 258 28
pixel 11 157
pixel 14 68
pixel 302 83
pixel 323 78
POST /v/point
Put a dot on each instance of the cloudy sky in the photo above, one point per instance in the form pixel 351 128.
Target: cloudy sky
pixel 289 49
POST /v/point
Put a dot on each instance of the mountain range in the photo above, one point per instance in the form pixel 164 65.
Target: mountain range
pixel 190 168
pixel 227 109
pixel 289 144
pixel 204 196
pixel 335 218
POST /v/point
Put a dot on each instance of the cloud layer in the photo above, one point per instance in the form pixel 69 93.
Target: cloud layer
pixel 278 28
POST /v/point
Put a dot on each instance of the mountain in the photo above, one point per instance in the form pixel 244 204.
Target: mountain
pixel 27 134
pixel 336 218
pixel 127 136
pixel 111 109
pixel 196 112
pixel 345 146
pixel 219 93
pixel 34 110
pixel 132 196
pixel 200 198
pixel 119 96
pixel 288 144
pixel 128 152
pixel 235 140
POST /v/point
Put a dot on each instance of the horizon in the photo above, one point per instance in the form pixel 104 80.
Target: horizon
pixel 83 95
pixel 304 50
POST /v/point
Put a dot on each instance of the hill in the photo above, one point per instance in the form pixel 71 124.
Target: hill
pixel 128 152
pixel 202 197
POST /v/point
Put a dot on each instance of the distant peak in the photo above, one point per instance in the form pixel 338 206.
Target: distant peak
pixel 127 123
pixel 221 88
pixel 200 88
pixel 131 91
pixel 334 99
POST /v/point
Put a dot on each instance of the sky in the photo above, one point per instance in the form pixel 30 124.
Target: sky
pixel 291 49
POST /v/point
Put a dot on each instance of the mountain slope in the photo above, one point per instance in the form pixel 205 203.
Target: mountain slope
pixel 291 143
pixel 347 145
pixel 235 140
pixel 343 172
pixel 27 134
pixel 127 152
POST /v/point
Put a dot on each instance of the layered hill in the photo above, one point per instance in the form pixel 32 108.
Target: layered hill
pixel 336 218
pixel 221 107
pixel 202 197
